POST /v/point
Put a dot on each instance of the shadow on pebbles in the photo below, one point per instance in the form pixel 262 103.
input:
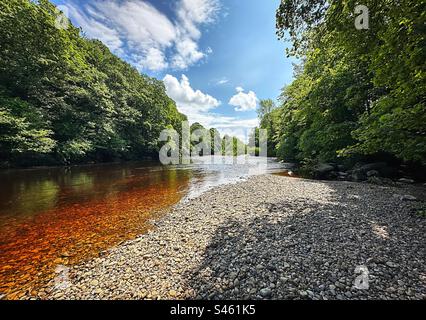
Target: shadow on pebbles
pixel 269 237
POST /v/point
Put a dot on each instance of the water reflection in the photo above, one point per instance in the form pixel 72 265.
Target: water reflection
pixel 63 215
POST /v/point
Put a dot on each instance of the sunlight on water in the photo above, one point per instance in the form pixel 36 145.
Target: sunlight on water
pixel 60 216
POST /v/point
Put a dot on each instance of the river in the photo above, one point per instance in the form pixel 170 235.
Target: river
pixel 51 217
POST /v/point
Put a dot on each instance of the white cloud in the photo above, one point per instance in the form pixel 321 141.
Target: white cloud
pixel 154 60
pixel 138 22
pixel 244 101
pixel 192 13
pixel 97 30
pixel 188 100
pixel 187 54
pixel 199 107
pixel 222 81
pixel 148 38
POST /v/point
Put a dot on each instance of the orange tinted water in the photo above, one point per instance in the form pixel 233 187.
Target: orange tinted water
pixel 54 217
pixel 61 216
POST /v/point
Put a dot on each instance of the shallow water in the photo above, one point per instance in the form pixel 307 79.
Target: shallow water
pixel 59 216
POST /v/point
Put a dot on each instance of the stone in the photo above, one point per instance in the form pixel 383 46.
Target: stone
pixel 94 283
pixel 303 293
pixel 391 264
pixel 99 291
pixel 321 170
pixel 358 176
pixel 372 173
pixel 372 166
pixel 266 292
pixel 208 266
pixel 405 180
pixel 408 197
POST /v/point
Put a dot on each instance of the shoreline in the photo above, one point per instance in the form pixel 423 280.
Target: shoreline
pixel 267 237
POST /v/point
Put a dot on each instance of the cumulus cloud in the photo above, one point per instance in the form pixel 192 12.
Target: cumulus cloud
pixel 154 60
pixel 187 53
pixel 243 101
pixel 199 107
pixel 145 36
pixel 188 100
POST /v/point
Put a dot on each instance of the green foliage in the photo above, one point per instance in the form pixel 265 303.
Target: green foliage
pixel 22 129
pixel 82 103
pixel 269 118
pixel 210 139
pixel 232 146
pixel 358 92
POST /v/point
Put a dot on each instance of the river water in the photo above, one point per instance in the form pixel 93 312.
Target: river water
pixel 51 217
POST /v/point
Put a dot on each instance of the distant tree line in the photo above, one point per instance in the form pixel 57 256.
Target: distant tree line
pixel 217 145
pixel 357 94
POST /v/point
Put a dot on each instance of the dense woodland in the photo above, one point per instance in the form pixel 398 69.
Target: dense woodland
pixel 66 99
pixel 358 95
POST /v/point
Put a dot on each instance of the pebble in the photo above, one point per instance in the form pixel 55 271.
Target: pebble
pixel 268 237
pixel 266 292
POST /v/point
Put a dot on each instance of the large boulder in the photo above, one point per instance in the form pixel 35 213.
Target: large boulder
pixel 383 169
pixel 372 166
pixel 322 170
pixel 358 175
pixel 372 173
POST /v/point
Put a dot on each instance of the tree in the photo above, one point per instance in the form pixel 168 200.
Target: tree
pixel 85 103
pixel 269 118
pixel 358 92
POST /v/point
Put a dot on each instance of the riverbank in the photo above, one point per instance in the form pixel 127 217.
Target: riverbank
pixel 268 237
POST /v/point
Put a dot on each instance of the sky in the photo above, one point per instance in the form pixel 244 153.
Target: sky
pixel 217 58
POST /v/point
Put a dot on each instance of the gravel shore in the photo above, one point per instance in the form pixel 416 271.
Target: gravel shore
pixel 269 237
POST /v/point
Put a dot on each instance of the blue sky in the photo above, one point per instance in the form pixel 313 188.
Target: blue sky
pixel 217 58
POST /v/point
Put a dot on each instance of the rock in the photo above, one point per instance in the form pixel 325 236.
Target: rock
pixel 391 290
pixel 391 264
pixel 388 172
pixel 99 291
pixel 66 254
pixel 380 181
pixel 372 173
pixel 358 176
pixel 303 293
pixel 94 283
pixel 408 197
pixel 322 170
pixel 372 166
pixel 266 292
pixel 405 180
pixel 305 247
